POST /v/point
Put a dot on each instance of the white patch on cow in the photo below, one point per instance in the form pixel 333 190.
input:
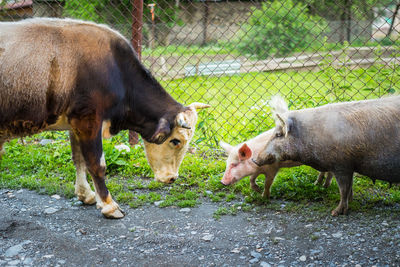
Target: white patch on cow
pixel 165 159
pixel 105 130
pixel 102 161
pixel 82 187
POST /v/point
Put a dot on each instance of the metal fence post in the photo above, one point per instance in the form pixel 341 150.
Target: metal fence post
pixel 137 25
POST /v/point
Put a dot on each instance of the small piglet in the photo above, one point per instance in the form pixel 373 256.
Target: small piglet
pixel 239 164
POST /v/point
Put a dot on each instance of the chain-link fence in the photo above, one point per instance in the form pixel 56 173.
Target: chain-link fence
pixel 235 55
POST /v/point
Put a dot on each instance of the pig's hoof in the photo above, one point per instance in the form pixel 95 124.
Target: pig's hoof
pixel 339 211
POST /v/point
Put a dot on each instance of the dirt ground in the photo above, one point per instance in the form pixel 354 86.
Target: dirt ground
pixel 40 230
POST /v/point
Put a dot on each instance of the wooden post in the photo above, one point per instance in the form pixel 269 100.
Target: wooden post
pixel 137 25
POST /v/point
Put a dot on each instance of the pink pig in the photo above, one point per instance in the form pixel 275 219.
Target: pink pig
pixel 239 164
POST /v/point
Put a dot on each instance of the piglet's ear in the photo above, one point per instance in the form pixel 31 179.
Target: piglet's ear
pixel 244 152
pixel 227 147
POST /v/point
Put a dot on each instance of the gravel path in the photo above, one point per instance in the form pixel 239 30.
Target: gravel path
pixel 39 230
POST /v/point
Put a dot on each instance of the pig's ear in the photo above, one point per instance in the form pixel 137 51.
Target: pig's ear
pixel 227 147
pixel 244 152
pixel 287 125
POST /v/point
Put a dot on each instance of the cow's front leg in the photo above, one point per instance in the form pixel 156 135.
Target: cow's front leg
pixel 345 182
pixel 91 147
pixel 82 187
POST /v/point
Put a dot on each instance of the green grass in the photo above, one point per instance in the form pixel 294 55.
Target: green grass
pixel 237 114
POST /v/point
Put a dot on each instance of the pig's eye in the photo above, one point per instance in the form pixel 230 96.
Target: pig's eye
pixel 175 142
pixel 278 134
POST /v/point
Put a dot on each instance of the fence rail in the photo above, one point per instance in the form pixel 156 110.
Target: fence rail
pixel 236 54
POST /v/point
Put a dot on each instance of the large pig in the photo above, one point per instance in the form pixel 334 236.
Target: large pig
pixel 343 138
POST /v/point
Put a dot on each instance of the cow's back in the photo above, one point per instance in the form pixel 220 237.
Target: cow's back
pixel 41 62
pixel 363 136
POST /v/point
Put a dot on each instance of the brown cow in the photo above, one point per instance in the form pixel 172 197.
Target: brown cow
pixel 63 74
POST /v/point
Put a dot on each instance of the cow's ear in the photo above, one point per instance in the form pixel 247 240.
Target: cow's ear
pixel 244 152
pixel 227 147
pixel 163 130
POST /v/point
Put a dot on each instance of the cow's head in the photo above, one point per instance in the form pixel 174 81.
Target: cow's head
pixel 165 158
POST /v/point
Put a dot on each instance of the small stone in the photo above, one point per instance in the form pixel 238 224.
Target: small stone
pixel 13 263
pixel 184 210
pixel 50 210
pixel 255 254
pixel 48 256
pixel 308 225
pixel 45 142
pixel 374 249
pixel 114 260
pixel 28 261
pixel 254 260
pixel 208 237
pixel 303 258
pixel 13 251
pixel 235 250
pixel 384 223
pixel 193 232
pixel 61 261
pixel 208 192
pixel 158 203
pixel 337 235
pixel 357 265
pixel 264 264
pixel 56 196
pixel 23 209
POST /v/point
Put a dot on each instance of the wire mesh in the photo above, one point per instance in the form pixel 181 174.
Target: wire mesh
pixel 235 55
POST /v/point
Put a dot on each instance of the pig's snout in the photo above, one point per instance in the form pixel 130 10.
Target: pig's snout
pixel 225 182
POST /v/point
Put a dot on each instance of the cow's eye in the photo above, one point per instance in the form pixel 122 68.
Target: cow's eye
pixel 175 142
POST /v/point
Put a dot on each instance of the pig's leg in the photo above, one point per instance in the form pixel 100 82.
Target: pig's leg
pixel 345 182
pixel 253 183
pixel 269 179
pixel 320 179
pixel 328 180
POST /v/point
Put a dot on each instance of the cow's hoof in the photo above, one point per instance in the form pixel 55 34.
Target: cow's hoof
pixel 89 199
pixel 112 211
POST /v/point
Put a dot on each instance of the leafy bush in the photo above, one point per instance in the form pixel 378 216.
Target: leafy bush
pixel 280 28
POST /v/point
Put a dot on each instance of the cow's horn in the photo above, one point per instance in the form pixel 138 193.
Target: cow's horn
pixel 198 105
pixel 180 120
pixel 280 118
